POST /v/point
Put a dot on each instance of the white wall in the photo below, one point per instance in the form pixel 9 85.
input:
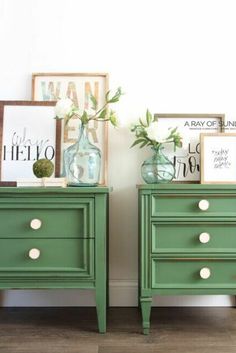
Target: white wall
pixel 169 56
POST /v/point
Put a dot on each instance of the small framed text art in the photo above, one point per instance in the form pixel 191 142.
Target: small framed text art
pixel 218 158
pixel 78 87
pixel 187 158
pixel 28 132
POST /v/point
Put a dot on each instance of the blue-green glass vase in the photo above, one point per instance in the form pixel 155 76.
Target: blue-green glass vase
pixel 82 161
pixel 157 169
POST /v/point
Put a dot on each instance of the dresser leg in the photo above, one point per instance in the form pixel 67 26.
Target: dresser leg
pixel 146 303
pixel 101 260
pixel 101 310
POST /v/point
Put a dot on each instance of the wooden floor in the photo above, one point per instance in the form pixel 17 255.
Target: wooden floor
pixel 74 330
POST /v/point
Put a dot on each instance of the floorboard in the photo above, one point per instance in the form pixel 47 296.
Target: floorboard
pixel 74 330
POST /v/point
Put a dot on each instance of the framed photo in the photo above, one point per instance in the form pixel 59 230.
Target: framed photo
pixel 28 132
pixel 78 87
pixel 218 158
pixel 187 158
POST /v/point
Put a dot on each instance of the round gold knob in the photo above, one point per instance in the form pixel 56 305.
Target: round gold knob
pixel 35 224
pixel 205 273
pixel 204 238
pixel 34 253
pixel 203 205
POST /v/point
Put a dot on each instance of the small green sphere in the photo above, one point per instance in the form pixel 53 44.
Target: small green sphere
pixel 43 168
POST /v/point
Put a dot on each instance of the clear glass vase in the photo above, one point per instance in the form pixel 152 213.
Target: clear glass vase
pixel 82 161
pixel 157 169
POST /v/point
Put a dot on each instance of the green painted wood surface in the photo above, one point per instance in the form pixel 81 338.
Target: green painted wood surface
pixel 59 220
pixel 171 273
pixel 182 237
pixel 101 253
pixel 170 253
pixel 71 240
pixel 182 205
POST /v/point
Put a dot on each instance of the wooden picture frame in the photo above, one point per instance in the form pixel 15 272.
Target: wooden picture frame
pixel 23 139
pixel 77 86
pixel 187 158
pixel 218 158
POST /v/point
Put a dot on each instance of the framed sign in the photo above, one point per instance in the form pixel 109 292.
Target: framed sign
pixel 187 158
pixel 78 87
pixel 218 158
pixel 28 132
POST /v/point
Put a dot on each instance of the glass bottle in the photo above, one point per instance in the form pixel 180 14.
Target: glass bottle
pixel 82 161
pixel 158 168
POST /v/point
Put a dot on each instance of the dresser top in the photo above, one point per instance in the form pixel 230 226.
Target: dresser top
pixel 186 186
pixel 55 190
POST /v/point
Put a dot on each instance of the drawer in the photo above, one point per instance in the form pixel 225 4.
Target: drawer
pixel 186 273
pixel 63 222
pixel 199 237
pixel 47 255
pixel 187 205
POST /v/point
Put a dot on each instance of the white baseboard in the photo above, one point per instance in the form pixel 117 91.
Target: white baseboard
pixel 122 293
pixel 125 293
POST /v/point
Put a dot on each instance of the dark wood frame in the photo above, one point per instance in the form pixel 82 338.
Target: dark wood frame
pixel 58 132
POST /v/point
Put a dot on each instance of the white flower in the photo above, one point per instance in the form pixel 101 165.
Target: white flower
pixel 154 133
pixel 63 108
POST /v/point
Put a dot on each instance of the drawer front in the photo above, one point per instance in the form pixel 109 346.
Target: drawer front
pixel 181 273
pixel 187 205
pixel 193 237
pixel 67 256
pixel 55 222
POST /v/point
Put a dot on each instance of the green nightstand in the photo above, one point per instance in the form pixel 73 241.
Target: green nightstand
pixel 55 238
pixel 187 238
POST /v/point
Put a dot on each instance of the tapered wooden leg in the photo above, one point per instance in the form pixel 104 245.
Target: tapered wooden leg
pixel 100 261
pixel 101 309
pixel 146 303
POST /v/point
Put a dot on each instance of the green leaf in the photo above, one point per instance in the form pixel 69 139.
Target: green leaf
pixel 143 144
pixel 116 96
pixel 142 123
pixel 136 142
pixel 148 117
pixel 103 114
pixel 94 102
pixel 174 130
pixel 107 96
pixel 84 118
pixel 113 119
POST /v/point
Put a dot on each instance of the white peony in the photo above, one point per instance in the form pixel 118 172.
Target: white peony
pixel 154 133
pixel 63 107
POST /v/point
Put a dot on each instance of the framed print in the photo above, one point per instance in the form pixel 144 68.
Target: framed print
pixel 218 158
pixel 78 87
pixel 28 132
pixel 187 158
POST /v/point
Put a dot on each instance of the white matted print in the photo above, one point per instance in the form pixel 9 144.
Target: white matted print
pixel 218 158
pixel 187 158
pixel 78 87
pixel 28 133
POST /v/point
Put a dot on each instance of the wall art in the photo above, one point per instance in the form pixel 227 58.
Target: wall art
pixel 218 158
pixel 77 86
pixel 187 158
pixel 28 132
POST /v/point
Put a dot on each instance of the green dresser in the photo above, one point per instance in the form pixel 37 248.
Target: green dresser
pixel 55 238
pixel 187 241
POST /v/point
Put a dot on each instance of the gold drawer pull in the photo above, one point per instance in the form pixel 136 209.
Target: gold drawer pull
pixel 203 205
pixel 205 273
pixel 34 253
pixel 204 238
pixel 36 224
